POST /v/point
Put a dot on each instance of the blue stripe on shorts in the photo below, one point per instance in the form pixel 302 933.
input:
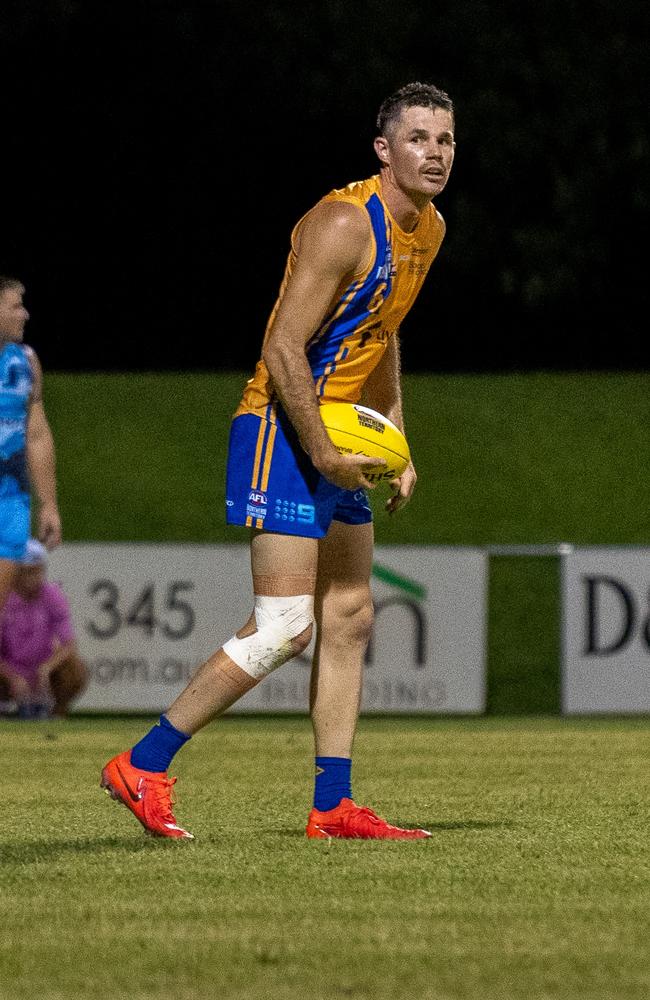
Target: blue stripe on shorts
pixel 272 484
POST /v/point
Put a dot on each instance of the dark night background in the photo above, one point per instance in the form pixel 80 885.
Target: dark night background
pixel 155 156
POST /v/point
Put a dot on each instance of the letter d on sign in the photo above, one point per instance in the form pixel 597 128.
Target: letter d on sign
pixel 625 625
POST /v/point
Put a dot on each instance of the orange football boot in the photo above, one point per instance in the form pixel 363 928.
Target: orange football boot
pixel 356 823
pixel 146 793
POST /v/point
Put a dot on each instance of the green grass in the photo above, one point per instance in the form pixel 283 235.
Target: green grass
pixel 142 457
pixel 534 884
pixel 502 458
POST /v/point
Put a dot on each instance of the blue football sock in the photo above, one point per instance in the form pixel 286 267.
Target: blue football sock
pixel 333 782
pixel 155 751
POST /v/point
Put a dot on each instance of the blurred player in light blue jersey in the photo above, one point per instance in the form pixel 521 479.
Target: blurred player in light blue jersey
pixel 27 457
pixel 356 264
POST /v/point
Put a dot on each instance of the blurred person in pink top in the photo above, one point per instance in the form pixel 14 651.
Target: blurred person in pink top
pixel 40 667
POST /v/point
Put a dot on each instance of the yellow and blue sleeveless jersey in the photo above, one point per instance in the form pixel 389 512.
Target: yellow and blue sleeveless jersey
pixel 352 338
pixel 16 381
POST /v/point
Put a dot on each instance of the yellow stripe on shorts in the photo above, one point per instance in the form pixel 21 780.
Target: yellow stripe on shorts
pixel 267 458
pixel 258 455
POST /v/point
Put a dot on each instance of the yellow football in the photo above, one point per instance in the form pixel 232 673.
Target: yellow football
pixel 358 430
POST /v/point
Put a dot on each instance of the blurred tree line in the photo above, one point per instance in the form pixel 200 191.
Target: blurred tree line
pixel 157 153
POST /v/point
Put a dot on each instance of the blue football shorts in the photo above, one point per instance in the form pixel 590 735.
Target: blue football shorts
pixel 14 522
pixel 272 484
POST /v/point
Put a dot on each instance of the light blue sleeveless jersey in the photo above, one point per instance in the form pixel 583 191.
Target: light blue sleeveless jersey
pixel 16 381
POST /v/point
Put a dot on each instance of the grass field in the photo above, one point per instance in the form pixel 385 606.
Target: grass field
pixel 534 885
pixel 541 457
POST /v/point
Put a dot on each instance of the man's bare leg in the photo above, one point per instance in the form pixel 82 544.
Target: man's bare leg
pixel 284 570
pixel 344 614
pixel 344 618
pixel 282 566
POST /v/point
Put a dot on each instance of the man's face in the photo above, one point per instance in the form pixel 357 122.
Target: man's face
pixel 419 151
pixel 13 314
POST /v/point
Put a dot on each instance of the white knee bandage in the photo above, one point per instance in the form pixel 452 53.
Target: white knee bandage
pixel 279 620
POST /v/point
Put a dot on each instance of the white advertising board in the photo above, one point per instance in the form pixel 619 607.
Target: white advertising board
pixel 606 631
pixel 147 615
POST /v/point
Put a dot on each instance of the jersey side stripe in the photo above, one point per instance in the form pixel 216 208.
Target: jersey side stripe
pixel 324 351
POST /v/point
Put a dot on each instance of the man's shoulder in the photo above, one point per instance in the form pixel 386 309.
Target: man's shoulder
pixel 332 214
pixel 339 225
pixel 32 358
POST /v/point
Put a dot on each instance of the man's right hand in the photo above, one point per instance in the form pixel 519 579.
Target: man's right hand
pixel 347 471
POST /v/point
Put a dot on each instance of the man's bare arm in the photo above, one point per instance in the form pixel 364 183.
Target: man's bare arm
pixel 41 460
pixel 334 244
pixel 383 392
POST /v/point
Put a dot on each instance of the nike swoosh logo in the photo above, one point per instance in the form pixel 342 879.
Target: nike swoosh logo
pixel 135 796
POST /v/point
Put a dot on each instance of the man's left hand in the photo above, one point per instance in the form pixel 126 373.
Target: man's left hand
pixel 402 489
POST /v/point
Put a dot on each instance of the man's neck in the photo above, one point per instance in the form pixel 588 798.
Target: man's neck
pixel 403 207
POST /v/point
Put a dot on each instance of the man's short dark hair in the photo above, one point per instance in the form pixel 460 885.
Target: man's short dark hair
pixel 412 95
pixel 7 282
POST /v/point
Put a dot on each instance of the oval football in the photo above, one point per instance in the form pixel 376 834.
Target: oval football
pixel 358 430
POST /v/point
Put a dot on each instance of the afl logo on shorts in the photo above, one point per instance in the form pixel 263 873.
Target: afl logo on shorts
pixel 258 498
